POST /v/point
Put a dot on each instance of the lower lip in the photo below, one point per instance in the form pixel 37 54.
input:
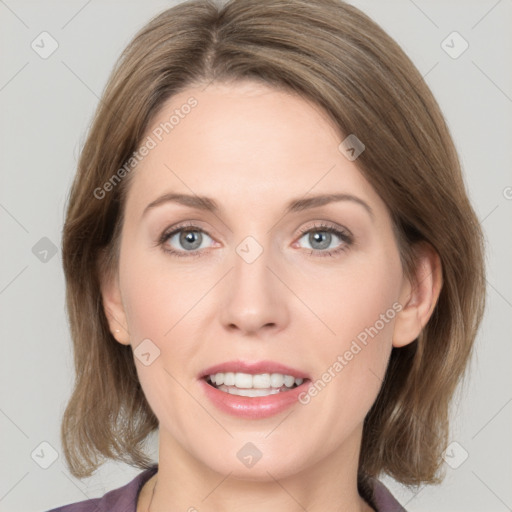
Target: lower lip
pixel 253 407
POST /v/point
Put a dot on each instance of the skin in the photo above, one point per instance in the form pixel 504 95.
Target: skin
pixel 253 149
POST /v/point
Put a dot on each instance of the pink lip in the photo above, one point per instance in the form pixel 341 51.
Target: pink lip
pixel 253 368
pixel 253 407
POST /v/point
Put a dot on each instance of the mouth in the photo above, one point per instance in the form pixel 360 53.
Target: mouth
pixel 253 385
pixel 253 389
pixel 253 378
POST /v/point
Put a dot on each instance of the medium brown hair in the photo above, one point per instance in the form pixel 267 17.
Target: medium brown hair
pixel 331 53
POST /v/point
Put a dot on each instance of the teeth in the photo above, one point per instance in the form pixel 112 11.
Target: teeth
pixel 243 380
pixel 276 380
pixel 261 381
pixel 289 381
pixel 229 379
pixel 248 392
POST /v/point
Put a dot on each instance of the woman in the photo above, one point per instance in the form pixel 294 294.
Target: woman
pixel 271 258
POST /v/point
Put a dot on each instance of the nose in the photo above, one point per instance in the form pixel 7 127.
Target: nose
pixel 255 299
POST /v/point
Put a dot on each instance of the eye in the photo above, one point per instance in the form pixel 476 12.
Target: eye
pixel 185 240
pixel 326 240
pixel 190 240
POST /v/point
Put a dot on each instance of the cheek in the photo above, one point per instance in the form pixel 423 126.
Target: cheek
pixel 359 305
pixel 361 297
pixel 155 297
pixel 159 306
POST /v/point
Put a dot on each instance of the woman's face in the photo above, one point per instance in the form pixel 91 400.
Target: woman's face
pixel 270 281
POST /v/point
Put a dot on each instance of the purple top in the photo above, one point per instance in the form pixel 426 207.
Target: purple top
pixel 124 499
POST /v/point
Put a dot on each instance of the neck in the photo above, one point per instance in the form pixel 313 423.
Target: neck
pixel 185 483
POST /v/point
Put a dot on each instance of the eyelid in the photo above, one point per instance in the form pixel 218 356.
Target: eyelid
pixel 191 225
pixel 327 226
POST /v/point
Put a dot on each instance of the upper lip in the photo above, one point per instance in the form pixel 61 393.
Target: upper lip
pixel 253 367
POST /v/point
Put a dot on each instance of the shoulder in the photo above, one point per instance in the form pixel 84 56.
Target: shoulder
pixel 383 499
pixel 122 499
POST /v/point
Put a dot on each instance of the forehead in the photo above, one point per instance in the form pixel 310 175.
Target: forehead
pixel 245 144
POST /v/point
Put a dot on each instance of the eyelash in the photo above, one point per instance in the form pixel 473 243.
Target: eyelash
pixel 181 227
pixel 343 235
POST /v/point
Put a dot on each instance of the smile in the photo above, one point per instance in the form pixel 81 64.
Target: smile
pixel 253 389
pixel 246 384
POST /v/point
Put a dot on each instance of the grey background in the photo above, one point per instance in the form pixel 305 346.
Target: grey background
pixel 46 107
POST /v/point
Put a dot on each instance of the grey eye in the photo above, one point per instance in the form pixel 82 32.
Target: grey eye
pixel 320 240
pixel 188 240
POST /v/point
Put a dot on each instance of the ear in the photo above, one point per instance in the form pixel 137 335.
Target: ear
pixel 419 295
pixel 112 303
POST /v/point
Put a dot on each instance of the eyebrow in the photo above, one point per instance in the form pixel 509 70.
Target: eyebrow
pixel 296 205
